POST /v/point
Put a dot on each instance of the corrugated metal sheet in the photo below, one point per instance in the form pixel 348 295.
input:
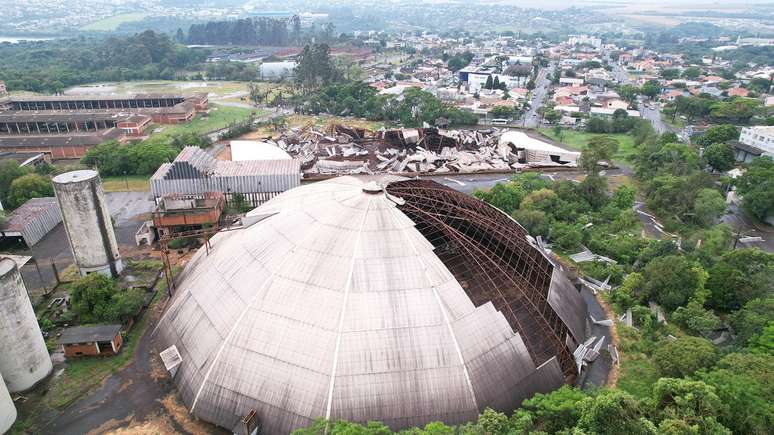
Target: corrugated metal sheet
pixel 195 171
pixel 34 219
pixel 338 307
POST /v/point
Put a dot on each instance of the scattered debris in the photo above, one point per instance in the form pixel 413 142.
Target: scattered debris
pixel 586 255
pixel 603 322
pixel 340 149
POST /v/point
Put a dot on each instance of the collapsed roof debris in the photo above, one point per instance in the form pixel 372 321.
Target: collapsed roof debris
pixel 339 149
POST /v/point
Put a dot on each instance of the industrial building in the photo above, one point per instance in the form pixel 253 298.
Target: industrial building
pixel 87 222
pixel 194 171
pixel 32 221
pixel 66 126
pixel 529 149
pixel 386 299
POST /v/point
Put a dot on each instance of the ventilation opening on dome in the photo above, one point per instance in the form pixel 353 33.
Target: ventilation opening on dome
pixel 490 257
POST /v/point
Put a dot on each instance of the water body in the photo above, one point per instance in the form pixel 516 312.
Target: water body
pixel 18 39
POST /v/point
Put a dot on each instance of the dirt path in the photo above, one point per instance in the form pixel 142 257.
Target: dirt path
pixel 139 398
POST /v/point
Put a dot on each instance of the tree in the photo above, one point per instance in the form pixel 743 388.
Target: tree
pixel 708 206
pixel 651 89
pixel 614 412
pixel 315 67
pixel 696 318
pixel 555 411
pixel 754 316
pixel 502 112
pixel 493 422
pixel 717 134
pixel 692 72
pixel 736 110
pixel 672 280
pixel 756 186
pixel 96 298
pixel 9 171
pixel 27 187
pixel 740 276
pixel 670 73
pixel 720 156
pixel 566 236
pixel 745 385
pixel 534 221
pixel 682 357
pixel 598 149
pixel 489 82
pixel 763 343
pixel 694 403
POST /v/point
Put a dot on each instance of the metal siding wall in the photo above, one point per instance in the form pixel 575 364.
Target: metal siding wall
pixel 230 184
pixel 37 228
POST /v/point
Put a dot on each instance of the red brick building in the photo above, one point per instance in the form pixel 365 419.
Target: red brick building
pixel 95 340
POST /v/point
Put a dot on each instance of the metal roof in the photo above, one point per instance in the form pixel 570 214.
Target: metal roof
pixel 86 334
pixel 19 218
pixel 338 306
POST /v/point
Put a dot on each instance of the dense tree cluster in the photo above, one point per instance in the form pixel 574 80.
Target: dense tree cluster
pixel 756 186
pixel 18 184
pixel 245 31
pixel 412 109
pixel 112 158
pixel 50 66
pixel 459 61
pixel 97 298
pixel 620 122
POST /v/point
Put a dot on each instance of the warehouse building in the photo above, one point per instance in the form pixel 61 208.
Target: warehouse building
pixel 194 171
pixel 32 220
pixel 387 299
pixel 67 126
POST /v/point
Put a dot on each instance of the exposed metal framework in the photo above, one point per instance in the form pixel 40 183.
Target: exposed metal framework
pixel 493 260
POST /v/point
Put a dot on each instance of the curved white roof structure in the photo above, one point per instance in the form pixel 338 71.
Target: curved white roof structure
pixel 338 304
pixel 253 150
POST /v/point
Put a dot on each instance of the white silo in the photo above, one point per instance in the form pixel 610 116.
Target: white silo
pixel 7 408
pixel 87 222
pixel 24 359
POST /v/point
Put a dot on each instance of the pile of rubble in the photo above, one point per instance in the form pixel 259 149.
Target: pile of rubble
pixel 339 149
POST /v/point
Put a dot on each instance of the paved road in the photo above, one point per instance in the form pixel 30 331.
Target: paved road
pixel 620 74
pixel 542 83
pixel 746 227
pixel 654 116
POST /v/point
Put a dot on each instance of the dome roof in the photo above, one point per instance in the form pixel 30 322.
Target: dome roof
pixel 356 299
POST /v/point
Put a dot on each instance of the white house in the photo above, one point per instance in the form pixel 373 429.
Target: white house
pixel 759 137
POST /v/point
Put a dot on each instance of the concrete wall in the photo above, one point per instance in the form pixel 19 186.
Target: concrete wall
pixel 24 359
pixel 87 222
pixel 7 408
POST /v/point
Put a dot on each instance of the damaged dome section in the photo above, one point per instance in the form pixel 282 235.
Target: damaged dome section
pixel 370 299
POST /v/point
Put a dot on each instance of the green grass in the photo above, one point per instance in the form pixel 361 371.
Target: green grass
pixel 136 183
pixel 218 118
pixel 578 139
pixel 112 23
pixel 638 374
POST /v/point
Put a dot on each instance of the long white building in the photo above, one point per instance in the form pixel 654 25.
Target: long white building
pixel 759 137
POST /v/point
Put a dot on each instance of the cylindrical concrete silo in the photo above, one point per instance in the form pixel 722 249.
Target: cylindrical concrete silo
pixel 24 359
pixel 87 222
pixel 7 408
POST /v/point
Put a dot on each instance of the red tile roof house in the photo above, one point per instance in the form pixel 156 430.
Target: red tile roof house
pixel 738 92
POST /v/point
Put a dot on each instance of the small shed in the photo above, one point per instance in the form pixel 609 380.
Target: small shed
pixel 33 220
pixel 93 340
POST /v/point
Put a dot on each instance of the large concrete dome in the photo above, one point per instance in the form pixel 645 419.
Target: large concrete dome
pixel 405 302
